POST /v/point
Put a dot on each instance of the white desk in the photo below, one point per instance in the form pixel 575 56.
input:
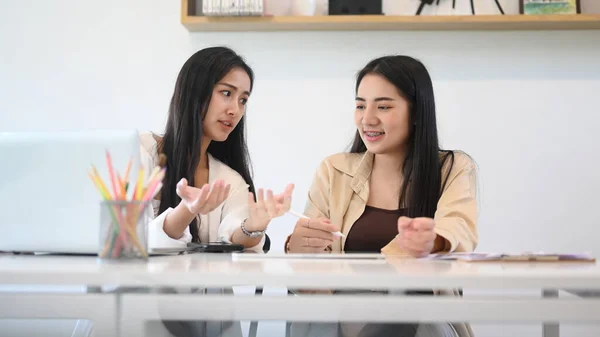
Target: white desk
pixel 221 271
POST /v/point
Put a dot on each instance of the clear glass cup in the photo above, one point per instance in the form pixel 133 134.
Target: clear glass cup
pixel 124 229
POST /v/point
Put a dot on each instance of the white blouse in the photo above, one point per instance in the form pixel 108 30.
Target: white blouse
pixel 216 226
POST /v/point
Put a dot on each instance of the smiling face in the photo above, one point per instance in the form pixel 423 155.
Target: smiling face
pixel 382 115
pixel 227 105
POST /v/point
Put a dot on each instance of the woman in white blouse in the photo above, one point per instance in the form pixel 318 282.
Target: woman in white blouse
pixel 208 194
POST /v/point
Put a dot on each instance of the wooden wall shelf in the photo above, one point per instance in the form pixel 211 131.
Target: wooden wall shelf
pixel 195 23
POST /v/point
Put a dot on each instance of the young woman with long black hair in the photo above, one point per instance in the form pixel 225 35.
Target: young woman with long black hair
pixel 396 191
pixel 208 194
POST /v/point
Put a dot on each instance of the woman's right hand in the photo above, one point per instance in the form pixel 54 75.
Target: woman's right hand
pixel 202 200
pixel 311 236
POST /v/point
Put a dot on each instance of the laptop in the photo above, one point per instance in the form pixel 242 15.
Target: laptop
pixel 47 201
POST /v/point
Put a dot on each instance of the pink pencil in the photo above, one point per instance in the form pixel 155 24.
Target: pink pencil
pixel 152 188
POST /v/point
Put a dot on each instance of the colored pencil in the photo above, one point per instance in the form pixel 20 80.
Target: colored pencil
pixel 124 225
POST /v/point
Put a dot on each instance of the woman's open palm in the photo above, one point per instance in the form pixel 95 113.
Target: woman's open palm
pixel 202 200
pixel 268 207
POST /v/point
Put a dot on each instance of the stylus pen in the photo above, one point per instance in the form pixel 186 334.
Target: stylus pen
pixel 292 212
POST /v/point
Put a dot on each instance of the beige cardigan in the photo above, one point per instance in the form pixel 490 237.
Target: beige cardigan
pixel 340 190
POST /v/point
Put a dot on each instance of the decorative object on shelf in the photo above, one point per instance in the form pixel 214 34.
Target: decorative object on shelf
pixel 541 7
pixel 278 7
pixel 437 2
pixel 232 7
pixel 355 7
pixel 304 7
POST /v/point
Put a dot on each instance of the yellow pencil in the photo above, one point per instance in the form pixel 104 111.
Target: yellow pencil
pixel 139 187
pixel 100 185
pixel 153 174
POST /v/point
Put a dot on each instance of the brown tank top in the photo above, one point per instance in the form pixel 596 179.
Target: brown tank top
pixel 373 230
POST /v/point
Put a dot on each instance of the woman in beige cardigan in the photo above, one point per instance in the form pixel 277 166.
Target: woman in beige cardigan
pixel 396 191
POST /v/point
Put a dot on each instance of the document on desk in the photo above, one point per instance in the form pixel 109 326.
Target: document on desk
pixel 512 257
pixel 347 256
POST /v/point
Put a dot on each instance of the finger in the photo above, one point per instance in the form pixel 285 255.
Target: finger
pixel 408 247
pixel 302 230
pixel 181 188
pixel 183 182
pixel 226 191
pixel 320 224
pixel 419 236
pixel 260 199
pixel 214 193
pixel 251 202
pixel 313 233
pixel 287 200
pixel 204 192
pixel 313 250
pixel 403 223
pixel 270 204
pixel 287 193
pixel 221 195
pixel 315 242
pixel 415 248
pixel 418 241
pixel 200 200
pixel 289 189
pixel 424 237
pixel 423 224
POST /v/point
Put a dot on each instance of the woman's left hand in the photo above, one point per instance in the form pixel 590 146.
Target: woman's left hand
pixel 264 209
pixel 417 236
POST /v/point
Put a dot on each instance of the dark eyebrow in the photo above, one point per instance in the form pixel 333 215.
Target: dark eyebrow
pixel 378 99
pixel 233 87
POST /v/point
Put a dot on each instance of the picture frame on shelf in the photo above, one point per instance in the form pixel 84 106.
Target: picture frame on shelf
pixel 549 7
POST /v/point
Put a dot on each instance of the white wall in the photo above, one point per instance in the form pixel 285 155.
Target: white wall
pixel 523 104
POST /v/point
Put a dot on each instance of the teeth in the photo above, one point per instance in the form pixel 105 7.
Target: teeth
pixel 374 134
pixel 226 123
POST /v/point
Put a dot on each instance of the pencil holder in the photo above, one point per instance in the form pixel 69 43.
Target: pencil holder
pixel 124 229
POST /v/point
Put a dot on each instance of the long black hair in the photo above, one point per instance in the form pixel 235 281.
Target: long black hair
pixel 425 161
pixel 181 142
